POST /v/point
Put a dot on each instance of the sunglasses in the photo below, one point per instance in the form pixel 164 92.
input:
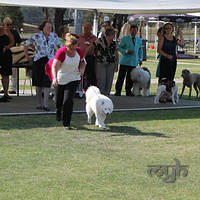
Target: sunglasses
pixel 8 24
pixel 167 28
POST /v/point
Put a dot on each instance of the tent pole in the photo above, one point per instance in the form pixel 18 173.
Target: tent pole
pixel 156 39
pixel 195 37
pixel 95 22
pixel 147 34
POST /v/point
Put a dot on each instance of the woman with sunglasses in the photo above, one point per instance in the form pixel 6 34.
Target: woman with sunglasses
pixel 6 41
pixel 66 76
pixel 17 40
pixel 167 47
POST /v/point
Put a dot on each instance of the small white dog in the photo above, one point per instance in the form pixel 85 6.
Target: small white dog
pixel 98 104
pixel 141 78
pixel 163 89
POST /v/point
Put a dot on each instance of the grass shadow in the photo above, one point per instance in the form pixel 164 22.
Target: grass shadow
pixel 121 131
pixel 80 120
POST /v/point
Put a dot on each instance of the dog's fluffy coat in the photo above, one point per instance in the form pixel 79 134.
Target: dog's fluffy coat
pixel 190 79
pixel 98 104
pixel 162 88
pixel 141 78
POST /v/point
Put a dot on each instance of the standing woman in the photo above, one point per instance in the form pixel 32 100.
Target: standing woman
pixel 66 76
pixel 6 41
pixel 45 42
pixel 107 60
pixel 167 47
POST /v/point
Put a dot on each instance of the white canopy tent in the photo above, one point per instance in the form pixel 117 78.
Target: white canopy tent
pixel 115 6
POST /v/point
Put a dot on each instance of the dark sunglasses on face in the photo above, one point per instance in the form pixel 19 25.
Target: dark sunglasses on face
pixel 8 24
pixel 167 28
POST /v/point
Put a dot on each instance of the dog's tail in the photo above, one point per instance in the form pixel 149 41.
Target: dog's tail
pixel 147 70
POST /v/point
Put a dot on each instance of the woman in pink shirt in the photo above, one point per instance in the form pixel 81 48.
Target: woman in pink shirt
pixel 66 76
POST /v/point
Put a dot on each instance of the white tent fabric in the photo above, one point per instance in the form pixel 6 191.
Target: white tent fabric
pixel 115 6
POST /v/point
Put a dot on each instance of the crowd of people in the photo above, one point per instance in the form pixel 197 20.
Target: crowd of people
pixel 99 54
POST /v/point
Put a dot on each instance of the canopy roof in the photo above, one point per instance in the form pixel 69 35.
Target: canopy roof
pixel 179 18
pixel 115 6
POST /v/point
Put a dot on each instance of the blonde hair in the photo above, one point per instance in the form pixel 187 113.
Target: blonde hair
pixel 6 20
pixel 70 39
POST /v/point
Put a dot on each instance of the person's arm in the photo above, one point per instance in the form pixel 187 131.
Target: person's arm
pixel 28 43
pixel 11 39
pixel 140 29
pixel 58 43
pixel 55 67
pixel 117 60
pixel 82 66
pixel 26 53
pixel 140 54
pixel 17 38
pixel 122 47
pixel 159 48
pixel 88 49
pixel 180 41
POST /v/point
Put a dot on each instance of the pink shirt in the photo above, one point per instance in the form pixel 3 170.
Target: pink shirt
pixel 83 43
pixel 60 55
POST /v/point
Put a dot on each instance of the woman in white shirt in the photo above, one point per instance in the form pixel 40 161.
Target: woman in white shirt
pixel 66 76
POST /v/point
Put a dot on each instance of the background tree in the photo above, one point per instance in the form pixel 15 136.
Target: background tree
pixel 59 18
pixel 32 15
pixel 14 13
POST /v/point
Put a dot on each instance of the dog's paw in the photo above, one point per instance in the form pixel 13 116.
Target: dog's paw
pixel 102 126
pixel 96 123
pixel 156 102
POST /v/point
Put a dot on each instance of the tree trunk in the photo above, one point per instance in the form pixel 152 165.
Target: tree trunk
pixel 59 21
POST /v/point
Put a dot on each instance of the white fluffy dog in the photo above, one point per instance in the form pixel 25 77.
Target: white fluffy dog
pixel 163 89
pixel 98 104
pixel 141 78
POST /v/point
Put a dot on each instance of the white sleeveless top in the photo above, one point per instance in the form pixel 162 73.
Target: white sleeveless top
pixel 69 70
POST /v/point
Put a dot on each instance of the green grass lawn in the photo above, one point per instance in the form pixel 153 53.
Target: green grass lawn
pixel 42 161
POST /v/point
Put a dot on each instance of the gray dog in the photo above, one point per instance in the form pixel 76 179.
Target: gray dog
pixel 190 79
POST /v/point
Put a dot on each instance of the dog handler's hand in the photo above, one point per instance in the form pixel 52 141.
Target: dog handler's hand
pixel 169 57
pixel 55 82
pixel 116 68
pixel 140 62
pixel 130 52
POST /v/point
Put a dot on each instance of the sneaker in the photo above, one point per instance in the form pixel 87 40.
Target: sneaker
pixel 117 94
pixel 130 94
pixel 7 96
pixel 1 91
pixel 4 99
pixel 46 109
pixel 39 107
pixel 67 128
pixel 58 118
pixel 12 92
